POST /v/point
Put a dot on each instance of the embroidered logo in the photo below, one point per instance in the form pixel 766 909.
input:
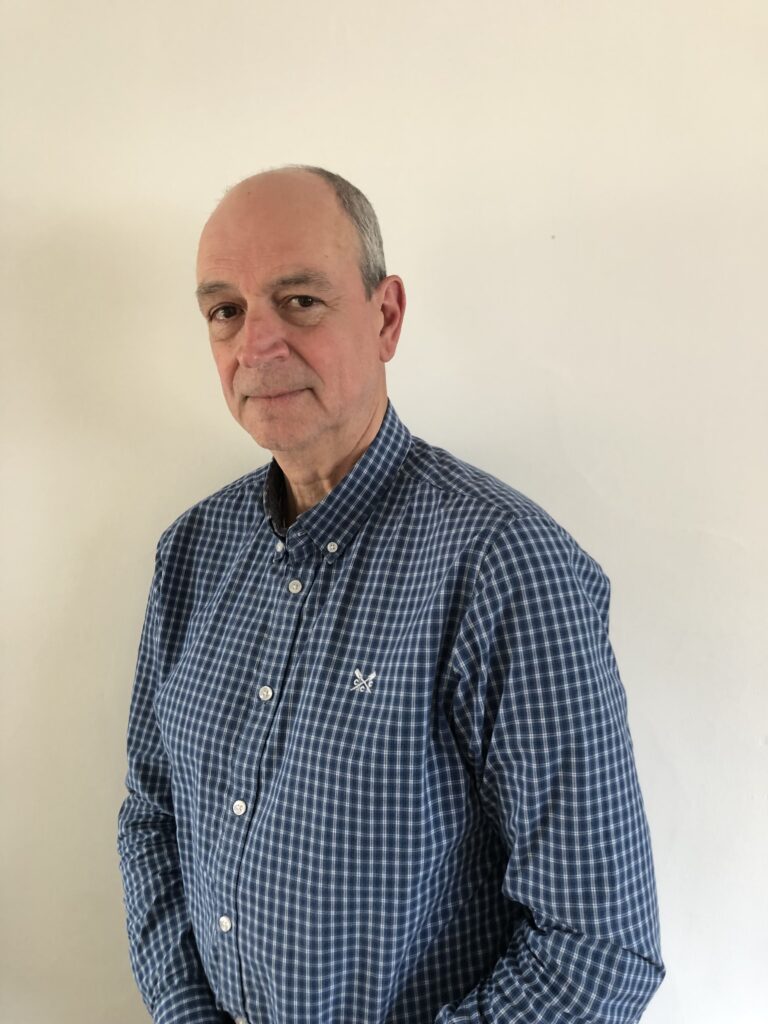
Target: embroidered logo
pixel 363 684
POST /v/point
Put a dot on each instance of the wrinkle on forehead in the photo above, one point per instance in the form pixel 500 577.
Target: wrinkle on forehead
pixel 301 278
pixel 282 222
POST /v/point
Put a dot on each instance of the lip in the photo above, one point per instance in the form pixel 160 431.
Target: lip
pixel 277 396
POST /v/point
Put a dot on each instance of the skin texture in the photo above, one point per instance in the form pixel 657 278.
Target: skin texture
pixel 299 349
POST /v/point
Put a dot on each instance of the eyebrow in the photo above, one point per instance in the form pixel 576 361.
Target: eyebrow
pixel 313 278
pixel 212 288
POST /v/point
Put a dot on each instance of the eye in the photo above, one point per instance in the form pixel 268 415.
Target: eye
pixel 301 301
pixel 224 312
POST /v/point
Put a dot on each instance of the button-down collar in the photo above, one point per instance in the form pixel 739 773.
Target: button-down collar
pixel 334 521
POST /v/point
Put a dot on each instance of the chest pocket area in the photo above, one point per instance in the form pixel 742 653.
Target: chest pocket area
pixel 367 717
pixel 198 709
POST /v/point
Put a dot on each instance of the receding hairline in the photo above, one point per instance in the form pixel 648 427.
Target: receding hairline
pixel 296 170
pixel 355 207
pixel 289 170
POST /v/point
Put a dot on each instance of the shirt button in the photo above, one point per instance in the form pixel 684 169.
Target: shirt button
pixel 279 546
pixel 332 548
pixel 225 923
pixel 239 807
pixel 265 693
pixel 240 1020
pixel 295 586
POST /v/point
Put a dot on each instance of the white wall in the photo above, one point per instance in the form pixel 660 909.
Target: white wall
pixel 576 196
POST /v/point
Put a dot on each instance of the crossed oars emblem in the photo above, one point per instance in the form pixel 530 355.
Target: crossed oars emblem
pixel 363 684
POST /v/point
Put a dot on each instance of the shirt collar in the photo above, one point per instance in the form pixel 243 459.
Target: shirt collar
pixel 337 518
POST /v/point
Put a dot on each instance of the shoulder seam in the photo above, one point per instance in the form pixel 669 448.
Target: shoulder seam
pixel 487 500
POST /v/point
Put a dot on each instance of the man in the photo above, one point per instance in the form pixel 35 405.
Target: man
pixel 379 764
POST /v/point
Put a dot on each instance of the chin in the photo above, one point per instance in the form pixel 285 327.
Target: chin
pixel 273 439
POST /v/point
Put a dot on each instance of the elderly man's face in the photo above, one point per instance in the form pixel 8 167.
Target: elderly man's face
pixel 299 348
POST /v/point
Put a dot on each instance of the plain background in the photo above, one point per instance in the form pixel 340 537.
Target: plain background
pixel 576 195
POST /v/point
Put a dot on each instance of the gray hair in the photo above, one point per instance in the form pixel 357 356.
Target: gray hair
pixel 359 210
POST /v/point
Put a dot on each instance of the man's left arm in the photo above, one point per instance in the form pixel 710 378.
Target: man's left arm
pixel 541 711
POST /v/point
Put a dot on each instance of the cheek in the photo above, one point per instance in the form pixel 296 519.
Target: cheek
pixel 225 366
pixel 362 367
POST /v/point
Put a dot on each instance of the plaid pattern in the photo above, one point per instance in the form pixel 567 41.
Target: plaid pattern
pixel 379 763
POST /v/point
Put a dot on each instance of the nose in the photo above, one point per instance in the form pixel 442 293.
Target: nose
pixel 262 338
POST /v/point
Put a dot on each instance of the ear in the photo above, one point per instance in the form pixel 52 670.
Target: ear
pixel 390 300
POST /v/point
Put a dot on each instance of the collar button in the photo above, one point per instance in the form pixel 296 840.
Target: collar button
pixel 332 548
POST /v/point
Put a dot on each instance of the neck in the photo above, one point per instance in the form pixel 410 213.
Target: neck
pixel 307 484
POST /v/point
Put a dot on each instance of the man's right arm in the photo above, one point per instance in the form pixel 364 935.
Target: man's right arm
pixel 164 954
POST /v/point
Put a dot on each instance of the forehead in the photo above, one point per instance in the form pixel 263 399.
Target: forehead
pixel 268 225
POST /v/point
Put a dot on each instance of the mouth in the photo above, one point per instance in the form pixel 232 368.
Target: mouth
pixel 272 397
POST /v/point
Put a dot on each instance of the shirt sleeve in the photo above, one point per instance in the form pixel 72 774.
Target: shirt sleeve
pixel 541 711
pixel 164 954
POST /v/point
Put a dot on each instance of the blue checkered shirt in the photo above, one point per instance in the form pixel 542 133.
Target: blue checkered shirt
pixel 379 763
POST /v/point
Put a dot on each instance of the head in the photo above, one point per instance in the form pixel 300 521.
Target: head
pixel 301 314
